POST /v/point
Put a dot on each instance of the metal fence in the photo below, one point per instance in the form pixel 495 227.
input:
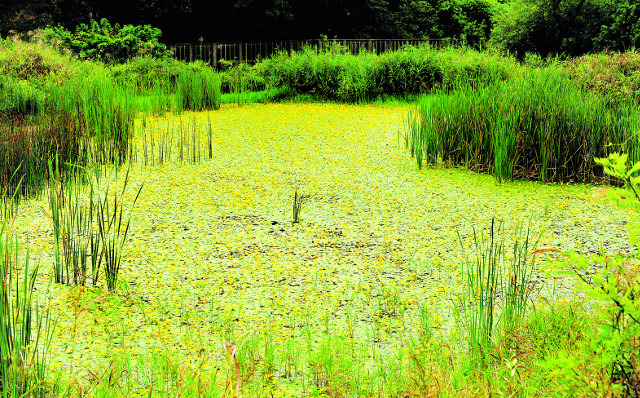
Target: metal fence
pixel 250 52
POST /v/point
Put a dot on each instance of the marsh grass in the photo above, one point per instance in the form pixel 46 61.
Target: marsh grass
pixel 113 228
pixel 25 331
pixel 27 143
pixel 539 126
pixel 498 288
pixel 106 112
pixel 73 227
pixel 185 142
pixel 334 74
pixel 198 90
pixel 239 88
pixel 89 230
pixel 80 121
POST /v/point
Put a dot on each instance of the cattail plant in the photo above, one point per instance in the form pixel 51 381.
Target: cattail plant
pixel 539 126
pixel 89 230
pixel 297 206
pixel 198 90
pixel 498 287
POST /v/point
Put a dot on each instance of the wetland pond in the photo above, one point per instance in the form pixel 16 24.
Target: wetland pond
pixel 213 257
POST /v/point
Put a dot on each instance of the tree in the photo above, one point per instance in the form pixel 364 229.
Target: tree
pixel 551 26
pixel 623 32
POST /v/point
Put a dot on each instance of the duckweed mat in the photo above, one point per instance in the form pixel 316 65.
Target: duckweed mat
pixel 214 262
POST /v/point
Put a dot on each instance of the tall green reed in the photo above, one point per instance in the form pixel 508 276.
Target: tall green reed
pixel 198 89
pixel 498 287
pixel 113 228
pixel 538 126
pixel 78 121
pixel 185 141
pixel 102 109
pixel 25 332
pixel 89 230
pixel 297 206
pixel 239 87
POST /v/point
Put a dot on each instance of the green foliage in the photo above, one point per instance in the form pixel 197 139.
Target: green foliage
pixel 612 76
pixel 464 21
pixel 623 30
pixel 461 20
pixel 616 280
pixel 572 27
pixel 109 43
pixel 537 126
pixel 333 74
pixel 24 330
pixel 198 88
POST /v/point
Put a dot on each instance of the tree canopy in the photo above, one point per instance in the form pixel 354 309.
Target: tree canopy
pixel 543 26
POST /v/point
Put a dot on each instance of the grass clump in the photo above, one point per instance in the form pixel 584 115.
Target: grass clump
pixel 297 207
pixel 164 84
pixel 496 278
pixel 89 229
pixel 539 126
pixel 198 89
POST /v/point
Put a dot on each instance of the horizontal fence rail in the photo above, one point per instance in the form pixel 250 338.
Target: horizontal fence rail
pixel 250 52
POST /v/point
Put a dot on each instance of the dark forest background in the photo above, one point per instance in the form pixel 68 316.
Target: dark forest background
pixel 544 26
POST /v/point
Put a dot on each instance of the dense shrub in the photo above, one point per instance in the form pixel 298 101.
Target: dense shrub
pixel 334 74
pixel 572 27
pixel 145 74
pixel 109 43
pixel 613 76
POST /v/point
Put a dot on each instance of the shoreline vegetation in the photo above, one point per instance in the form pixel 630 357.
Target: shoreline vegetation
pixel 417 223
